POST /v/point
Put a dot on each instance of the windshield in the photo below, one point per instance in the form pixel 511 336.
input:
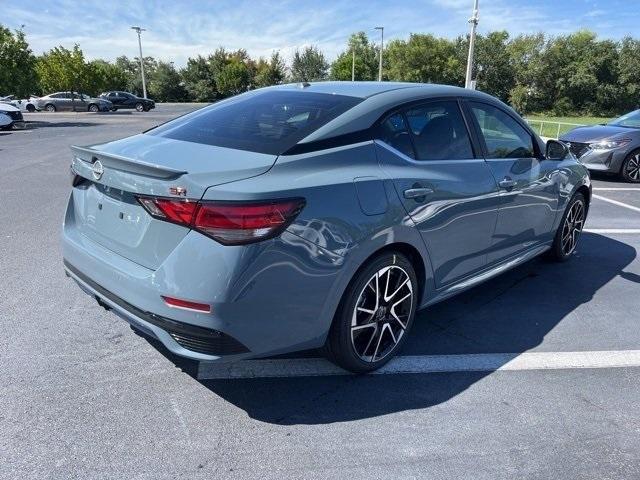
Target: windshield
pixel 630 120
pixel 270 121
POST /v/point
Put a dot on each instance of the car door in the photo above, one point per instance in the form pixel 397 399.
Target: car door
pixel 63 101
pixel 445 186
pixel 528 183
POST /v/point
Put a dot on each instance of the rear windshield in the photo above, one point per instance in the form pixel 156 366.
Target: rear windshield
pixel 270 122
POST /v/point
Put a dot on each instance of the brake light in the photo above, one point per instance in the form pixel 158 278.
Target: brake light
pixel 230 223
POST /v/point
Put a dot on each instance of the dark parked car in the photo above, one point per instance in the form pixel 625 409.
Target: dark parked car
pixel 128 100
pixel 612 148
pixel 72 101
pixel 326 214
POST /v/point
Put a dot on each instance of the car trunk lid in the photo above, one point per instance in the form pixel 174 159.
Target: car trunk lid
pixel 105 203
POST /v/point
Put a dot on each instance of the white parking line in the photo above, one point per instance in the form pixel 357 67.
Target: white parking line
pixel 614 189
pixel 615 202
pixel 489 362
pixel 613 230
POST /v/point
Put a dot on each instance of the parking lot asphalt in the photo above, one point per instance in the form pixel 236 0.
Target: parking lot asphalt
pixel 84 397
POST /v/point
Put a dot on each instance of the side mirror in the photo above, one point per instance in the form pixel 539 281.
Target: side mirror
pixel 556 150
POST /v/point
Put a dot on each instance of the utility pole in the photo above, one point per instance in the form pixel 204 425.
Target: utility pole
pixel 353 64
pixel 472 39
pixel 381 49
pixel 144 83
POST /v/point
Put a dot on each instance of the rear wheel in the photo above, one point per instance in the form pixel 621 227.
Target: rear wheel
pixel 94 108
pixel 375 314
pixel 50 108
pixel 630 171
pixel 566 239
pixel 31 108
pixel 139 107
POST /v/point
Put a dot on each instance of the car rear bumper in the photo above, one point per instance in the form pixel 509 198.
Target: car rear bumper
pixel 267 298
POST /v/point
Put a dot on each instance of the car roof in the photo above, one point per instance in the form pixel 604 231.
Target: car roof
pixel 377 99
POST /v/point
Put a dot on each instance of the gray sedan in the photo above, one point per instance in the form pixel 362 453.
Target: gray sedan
pixel 72 101
pixel 315 215
pixel 613 147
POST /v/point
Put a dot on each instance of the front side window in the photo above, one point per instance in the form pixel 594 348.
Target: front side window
pixel 271 121
pixel 439 131
pixel 503 136
pixel 394 132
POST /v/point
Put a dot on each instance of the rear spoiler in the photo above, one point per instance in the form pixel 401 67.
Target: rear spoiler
pixel 125 164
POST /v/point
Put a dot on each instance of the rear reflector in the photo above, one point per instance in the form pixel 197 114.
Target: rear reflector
pixel 186 305
pixel 230 223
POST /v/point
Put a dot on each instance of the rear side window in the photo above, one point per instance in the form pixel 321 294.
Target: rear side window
pixel 503 136
pixel 266 122
pixel 439 132
pixel 394 132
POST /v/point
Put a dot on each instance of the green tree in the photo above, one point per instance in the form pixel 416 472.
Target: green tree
pixel 424 58
pixel 366 59
pixel 17 64
pixel 199 80
pixel 309 65
pixel 131 67
pixel 105 76
pixel 233 72
pixel 63 69
pixel 165 84
pixel 494 72
pixel 525 53
pixel 628 70
pixel 270 72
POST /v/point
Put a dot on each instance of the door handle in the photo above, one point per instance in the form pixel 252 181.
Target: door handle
pixel 417 192
pixel 507 183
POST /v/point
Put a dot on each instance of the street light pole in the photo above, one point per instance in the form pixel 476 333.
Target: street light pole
pixel 353 64
pixel 144 83
pixel 472 39
pixel 381 49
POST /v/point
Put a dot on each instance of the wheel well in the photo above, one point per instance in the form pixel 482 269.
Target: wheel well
pixel 414 257
pixel 584 190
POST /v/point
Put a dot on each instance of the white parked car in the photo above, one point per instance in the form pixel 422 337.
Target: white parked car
pixel 25 105
pixel 14 114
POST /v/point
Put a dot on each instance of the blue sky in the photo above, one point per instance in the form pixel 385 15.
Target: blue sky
pixel 179 29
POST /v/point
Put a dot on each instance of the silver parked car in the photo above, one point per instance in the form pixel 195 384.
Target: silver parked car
pixel 311 215
pixel 72 101
pixel 613 147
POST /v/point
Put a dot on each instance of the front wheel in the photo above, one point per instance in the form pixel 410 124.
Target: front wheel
pixel 31 108
pixel 375 314
pixel 139 107
pixel 566 239
pixel 631 167
pixel 94 108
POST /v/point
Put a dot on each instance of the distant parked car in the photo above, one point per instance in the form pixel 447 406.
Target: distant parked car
pixel 14 113
pixel 73 101
pixel 128 100
pixel 613 147
pixel 25 105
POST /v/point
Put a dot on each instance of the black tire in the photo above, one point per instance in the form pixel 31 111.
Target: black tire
pixel 31 108
pixel 114 109
pixel 94 108
pixel 630 171
pixel 139 107
pixel 348 346
pixel 560 250
pixel 51 108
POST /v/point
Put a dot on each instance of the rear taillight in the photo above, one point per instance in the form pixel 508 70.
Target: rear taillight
pixel 230 223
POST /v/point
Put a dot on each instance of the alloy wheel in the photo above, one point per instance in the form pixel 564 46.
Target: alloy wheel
pixel 381 314
pixel 632 168
pixel 572 227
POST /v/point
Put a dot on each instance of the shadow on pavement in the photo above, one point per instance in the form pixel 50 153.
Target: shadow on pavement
pixel 36 124
pixel 509 314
